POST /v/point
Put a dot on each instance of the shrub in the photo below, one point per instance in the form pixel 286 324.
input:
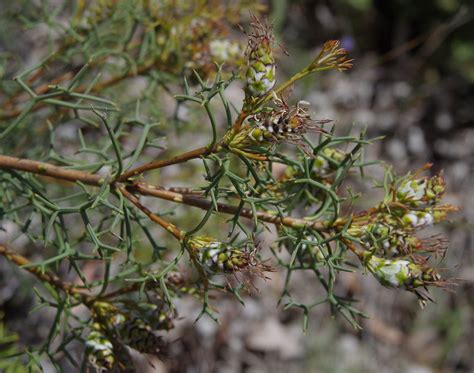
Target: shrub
pixel 78 140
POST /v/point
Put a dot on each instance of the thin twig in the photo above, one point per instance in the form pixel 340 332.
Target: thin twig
pixel 99 87
pixel 190 200
pixel 196 153
pixel 50 278
pixel 50 170
pixel 46 169
pixel 121 291
pixel 175 231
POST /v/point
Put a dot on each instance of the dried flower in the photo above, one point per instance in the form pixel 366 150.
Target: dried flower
pixel 332 56
pixel 284 123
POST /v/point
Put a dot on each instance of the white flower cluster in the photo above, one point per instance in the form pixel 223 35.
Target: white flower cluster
pixel 418 219
pixel 210 255
pixel 390 272
pixel 260 79
pixel 97 342
pixel 412 190
pixel 223 50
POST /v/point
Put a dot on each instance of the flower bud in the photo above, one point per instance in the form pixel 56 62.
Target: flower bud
pixel 175 278
pixel 108 314
pixel 322 166
pixel 436 187
pixel 155 316
pixel 134 323
pixel 310 249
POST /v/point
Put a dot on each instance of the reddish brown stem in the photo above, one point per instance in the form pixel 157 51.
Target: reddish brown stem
pixel 61 173
pixel 150 190
pixel 196 153
pixel 46 169
pixel 121 291
pixel 107 83
pixel 238 122
pixel 153 217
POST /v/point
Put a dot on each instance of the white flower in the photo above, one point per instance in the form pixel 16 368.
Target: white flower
pixel 418 218
pixel 412 218
pixel 390 272
pixel 413 190
pixel 428 219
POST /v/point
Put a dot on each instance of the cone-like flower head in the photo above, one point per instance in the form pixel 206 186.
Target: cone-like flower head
pixel 133 323
pixel 260 75
pixel 404 273
pixel 99 349
pixel 217 256
pixel 138 335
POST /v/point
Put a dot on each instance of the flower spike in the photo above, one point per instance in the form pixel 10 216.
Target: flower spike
pixel 260 75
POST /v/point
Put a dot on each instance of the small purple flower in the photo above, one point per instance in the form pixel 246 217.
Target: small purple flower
pixel 348 43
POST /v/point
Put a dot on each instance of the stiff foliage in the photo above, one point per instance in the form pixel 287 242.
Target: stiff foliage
pixel 77 140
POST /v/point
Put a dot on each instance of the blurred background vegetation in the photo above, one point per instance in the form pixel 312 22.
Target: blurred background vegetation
pixel 413 82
